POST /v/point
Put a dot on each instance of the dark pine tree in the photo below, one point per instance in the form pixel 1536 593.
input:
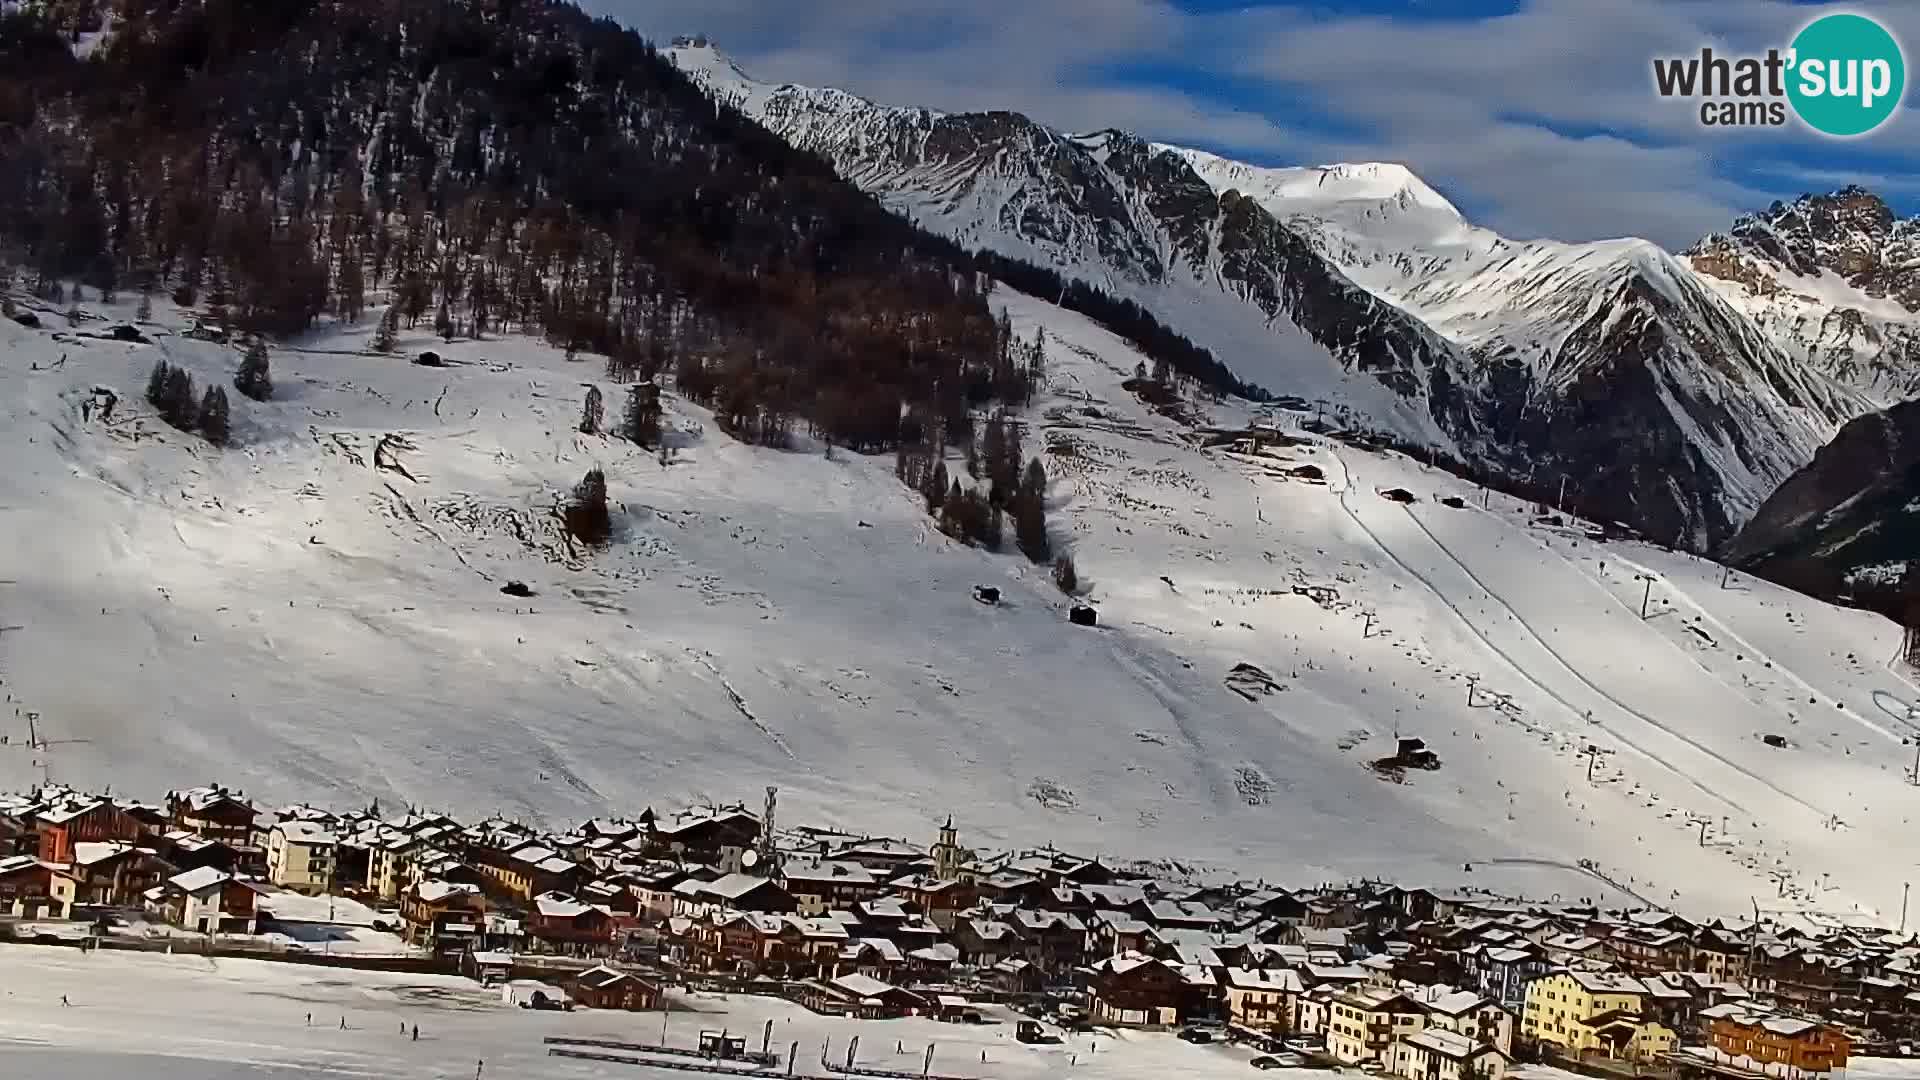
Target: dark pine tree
pixel 177 404
pixel 641 424
pixel 254 378
pixel 213 416
pixel 387 334
pixel 157 383
pixel 1065 576
pixel 586 513
pixel 592 412
pixel 1030 514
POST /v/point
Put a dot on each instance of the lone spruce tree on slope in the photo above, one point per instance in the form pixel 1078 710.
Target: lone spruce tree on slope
pixel 254 379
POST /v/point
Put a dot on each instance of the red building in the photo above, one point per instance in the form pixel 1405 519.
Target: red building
pixel 62 827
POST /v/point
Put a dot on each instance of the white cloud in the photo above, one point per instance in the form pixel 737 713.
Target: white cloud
pixel 1542 121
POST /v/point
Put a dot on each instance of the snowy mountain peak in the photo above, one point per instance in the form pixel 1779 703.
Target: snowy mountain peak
pixel 1359 287
pixel 716 72
pixel 1834 279
pixel 1316 189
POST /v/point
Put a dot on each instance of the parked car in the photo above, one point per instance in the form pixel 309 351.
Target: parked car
pixel 1196 1035
pixel 1278 1061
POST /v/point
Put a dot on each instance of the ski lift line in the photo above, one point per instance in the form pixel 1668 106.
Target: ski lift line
pixel 1623 706
pixel 1478 634
pixel 1729 634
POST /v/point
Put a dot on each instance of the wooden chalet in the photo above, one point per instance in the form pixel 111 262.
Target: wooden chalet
pixel 1136 990
pixel 559 923
pixel 605 988
pixel 215 813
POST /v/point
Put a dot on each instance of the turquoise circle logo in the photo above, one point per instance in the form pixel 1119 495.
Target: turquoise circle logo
pixel 1848 75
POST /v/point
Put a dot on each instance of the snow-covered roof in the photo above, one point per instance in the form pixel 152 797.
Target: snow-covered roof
pixel 989 929
pixel 65 812
pixel 305 831
pixel 532 853
pixel 1272 980
pixel 13 863
pixel 89 852
pixel 1607 982
pixel 1788 1026
pixel 1047 920
pixel 434 891
pixel 202 799
pixel 881 846
pixel 1122 963
pixel 865 986
pixel 887 950
pixel 1456 1002
pixel 602 977
pixel 1324 973
pixel 827 871
pixel 729 887
pixel 199 879
pixel 1338 939
pixel 1448 1044
pixel 555 905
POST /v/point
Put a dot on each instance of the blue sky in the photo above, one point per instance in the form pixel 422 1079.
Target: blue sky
pixel 1536 117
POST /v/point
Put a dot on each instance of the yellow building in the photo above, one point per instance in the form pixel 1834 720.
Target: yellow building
pixel 1594 1012
pixel 300 856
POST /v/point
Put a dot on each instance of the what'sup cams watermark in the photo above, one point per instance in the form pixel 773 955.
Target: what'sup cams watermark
pixel 1843 75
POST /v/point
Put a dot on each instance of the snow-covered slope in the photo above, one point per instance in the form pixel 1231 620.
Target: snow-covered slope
pixel 300 616
pixel 1611 363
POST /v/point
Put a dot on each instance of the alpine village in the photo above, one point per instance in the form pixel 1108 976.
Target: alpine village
pixel 610 914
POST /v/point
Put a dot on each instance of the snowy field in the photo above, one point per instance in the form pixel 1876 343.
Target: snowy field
pixel 315 614
pixel 186 1018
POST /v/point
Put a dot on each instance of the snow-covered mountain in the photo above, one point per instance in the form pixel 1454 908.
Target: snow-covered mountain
pixel 1612 364
pixel 1834 280
pixel 316 612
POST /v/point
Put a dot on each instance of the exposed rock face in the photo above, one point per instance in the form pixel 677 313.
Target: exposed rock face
pixel 1833 279
pixel 1851 518
pixel 1358 286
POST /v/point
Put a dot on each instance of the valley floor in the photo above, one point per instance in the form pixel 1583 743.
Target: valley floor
pixel 188 1018
pixel 316 614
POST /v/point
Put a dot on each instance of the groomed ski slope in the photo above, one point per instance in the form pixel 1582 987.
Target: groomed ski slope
pixel 300 617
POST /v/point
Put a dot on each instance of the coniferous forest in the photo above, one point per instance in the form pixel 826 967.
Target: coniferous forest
pixel 494 166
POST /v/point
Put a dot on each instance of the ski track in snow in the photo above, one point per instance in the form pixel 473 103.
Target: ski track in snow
pixel 1726 633
pixel 1563 662
pixel 1519 668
